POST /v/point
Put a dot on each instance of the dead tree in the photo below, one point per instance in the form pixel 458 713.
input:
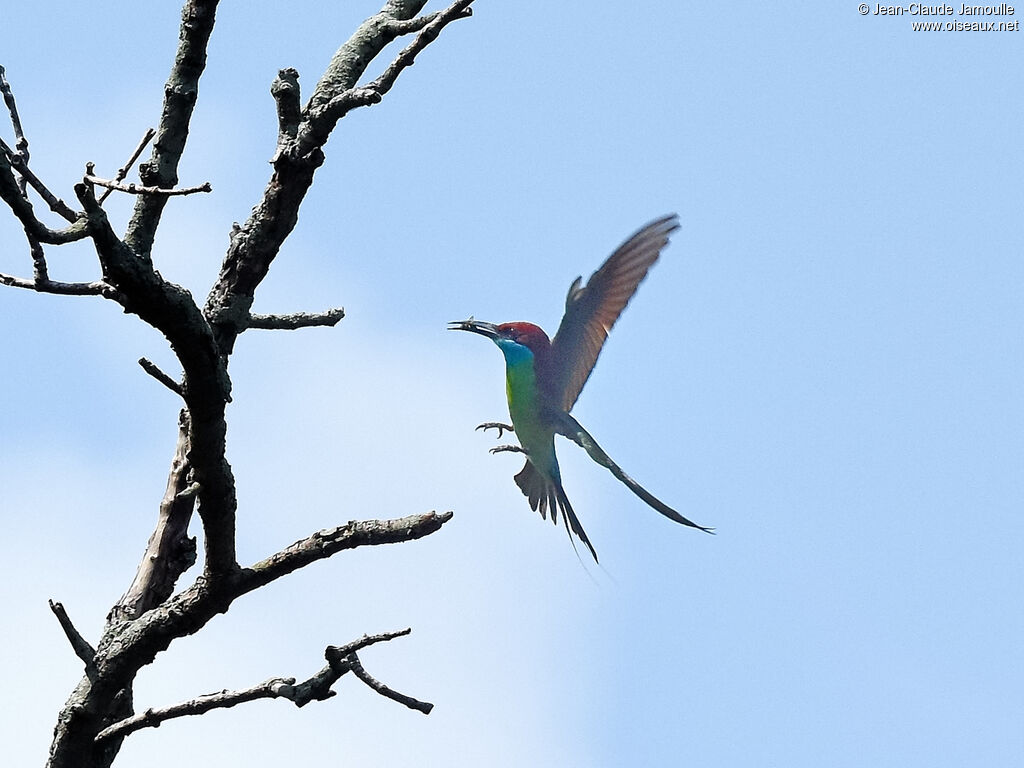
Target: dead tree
pixel 100 713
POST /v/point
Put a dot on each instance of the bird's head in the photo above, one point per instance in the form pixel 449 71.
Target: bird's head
pixel 510 337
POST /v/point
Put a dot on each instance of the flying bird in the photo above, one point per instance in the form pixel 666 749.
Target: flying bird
pixel 544 377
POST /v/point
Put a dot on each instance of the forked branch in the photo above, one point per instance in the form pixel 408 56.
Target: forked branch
pixel 337 93
pixel 340 660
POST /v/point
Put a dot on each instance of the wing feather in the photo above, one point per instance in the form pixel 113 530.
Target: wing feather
pixel 591 310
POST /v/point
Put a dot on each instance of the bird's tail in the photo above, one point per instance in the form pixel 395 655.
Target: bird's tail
pixel 547 493
pixel 568 426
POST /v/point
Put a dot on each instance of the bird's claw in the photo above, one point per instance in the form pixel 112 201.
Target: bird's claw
pixel 508 448
pixel 502 428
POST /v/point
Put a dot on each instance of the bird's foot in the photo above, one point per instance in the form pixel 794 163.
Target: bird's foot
pixel 502 428
pixel 508 448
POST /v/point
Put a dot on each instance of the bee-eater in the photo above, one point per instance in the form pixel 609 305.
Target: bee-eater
pixel 544 377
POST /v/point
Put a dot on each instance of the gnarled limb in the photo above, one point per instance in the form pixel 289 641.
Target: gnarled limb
pixel 103 699
pixel 152 614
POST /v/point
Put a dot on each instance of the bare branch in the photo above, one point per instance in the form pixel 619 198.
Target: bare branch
pixel 318 687
pixel 457 10
pixel 349 62
pixel 188 611
pixel 5 88
pixel 335 653
pixel 340 660
pixel 81 646
pixel 180 94
pixel 12 194
pixel 151 368
pixel 357 669
pixel 152 718
pixel 296 320
pixel 256 243
pixel 122 172
pixel 135 189
pixel 95 288
pixel 18 162
pixel 21 141
pixel 330 541
pixel 337 93
pixel 206 386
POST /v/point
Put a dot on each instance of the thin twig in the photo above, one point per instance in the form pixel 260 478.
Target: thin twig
pixel 122 172
pixel 151 368
pixel 81 646
pixel 296 320
pixel 138 189
pixel 57 205
pixel 334 653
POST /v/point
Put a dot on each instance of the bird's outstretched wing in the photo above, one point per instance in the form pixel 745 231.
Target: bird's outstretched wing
pixel 568 426
pixel 591 310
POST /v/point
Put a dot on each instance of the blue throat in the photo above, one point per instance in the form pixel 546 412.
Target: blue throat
pixel 515 354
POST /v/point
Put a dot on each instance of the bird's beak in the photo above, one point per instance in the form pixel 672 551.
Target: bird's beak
pixel 490 330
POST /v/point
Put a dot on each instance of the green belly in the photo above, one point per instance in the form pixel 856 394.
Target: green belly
pixel 524 408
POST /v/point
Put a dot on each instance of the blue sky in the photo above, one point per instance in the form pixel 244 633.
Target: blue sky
pixel 825 366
